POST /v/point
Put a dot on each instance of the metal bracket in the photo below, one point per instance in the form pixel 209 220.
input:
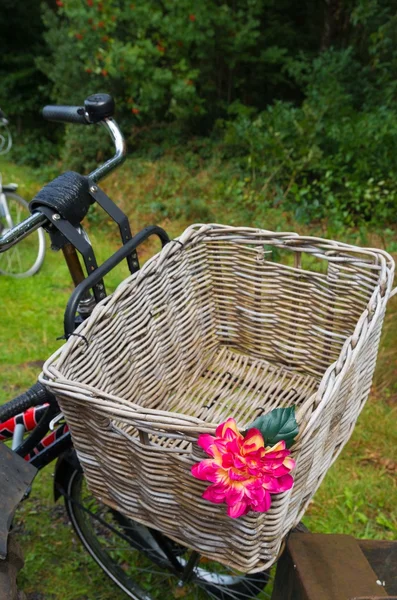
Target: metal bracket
pixel 77 239
pixel 55 421
pixel 118 217
pixel 106 267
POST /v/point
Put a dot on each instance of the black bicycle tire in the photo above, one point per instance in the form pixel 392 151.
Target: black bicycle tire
pixel 41 241
pixel 71 502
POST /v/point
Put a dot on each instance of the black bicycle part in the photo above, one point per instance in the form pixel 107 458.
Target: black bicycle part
pixel 118 217
pixel 63 440
pixel 60 445
pixel 39 431
pixel 75 236
pixel 10 187
pixel 65 114
pixel 68 195
pixel 97 107
pixel 34 396
pixel 67 463
pixel 105 268
pixel 96 524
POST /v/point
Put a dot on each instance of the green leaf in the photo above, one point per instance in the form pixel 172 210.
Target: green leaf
pixel 278 424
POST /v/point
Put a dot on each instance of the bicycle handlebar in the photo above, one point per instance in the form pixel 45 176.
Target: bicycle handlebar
pixel 65 114
pixel 96 108
pixel 26 227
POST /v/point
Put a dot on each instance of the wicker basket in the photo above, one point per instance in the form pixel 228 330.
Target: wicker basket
pixel 211 327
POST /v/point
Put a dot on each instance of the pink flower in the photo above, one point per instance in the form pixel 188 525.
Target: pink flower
pixel 242 471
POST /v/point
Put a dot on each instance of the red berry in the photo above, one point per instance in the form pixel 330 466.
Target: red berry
pixel 192 17
pixel 135 111
pixel 90 2
pixel 104 72
pixel 101 24
pixel 59 3
pixel 78 36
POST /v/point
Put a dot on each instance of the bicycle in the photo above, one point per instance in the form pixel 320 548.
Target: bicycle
pixel 137 558
pixel 27 258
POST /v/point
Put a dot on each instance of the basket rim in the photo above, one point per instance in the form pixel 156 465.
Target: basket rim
pixel 53 378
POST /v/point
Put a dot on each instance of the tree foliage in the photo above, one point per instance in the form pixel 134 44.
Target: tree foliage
pixel 183 60
pixel 301 95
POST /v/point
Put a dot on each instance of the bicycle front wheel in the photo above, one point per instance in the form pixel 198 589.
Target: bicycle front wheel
pixel 132 555
pixel 26 257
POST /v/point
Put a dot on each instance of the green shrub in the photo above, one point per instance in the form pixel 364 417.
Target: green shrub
pixel 173 61
pixel 335 156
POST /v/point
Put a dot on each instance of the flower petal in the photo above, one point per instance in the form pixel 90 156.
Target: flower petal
pixel 234 493
pixel 277 447
pixel 280 484
pixel 262 504
pixel 238 509
pixel 253 441
pixel 206 469
pixel 205 441
pixel 228 429
pixel 280 471
pixel 289 463
pixel 237 475
pixel 213 496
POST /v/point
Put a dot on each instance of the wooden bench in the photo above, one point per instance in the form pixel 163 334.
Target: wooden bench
pixel 336 567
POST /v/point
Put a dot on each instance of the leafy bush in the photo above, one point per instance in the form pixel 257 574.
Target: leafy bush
pixel 333 157
pixel 175 60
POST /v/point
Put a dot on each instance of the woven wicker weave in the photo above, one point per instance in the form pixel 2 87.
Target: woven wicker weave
pixel 213 327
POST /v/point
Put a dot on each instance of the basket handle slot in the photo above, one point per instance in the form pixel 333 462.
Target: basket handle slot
pixel 144 437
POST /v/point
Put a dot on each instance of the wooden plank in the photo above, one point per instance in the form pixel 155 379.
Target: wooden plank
pixel 16 474
pixel 8 571
pixel 382 556
pixel 324 567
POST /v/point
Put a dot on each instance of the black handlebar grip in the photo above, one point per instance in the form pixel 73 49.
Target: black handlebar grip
pixel 65 114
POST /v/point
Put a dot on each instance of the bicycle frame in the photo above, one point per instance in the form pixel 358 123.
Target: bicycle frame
pixel 36 220
pixel 49 447
pixel 4 211
pixel 41 446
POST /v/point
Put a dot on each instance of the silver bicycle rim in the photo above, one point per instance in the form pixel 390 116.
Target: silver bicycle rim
pixel 217 580
pixel 13 254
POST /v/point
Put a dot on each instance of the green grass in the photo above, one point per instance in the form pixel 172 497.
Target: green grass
pixel 358 495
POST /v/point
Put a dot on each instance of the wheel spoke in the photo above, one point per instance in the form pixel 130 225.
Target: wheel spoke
pixel 132 557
